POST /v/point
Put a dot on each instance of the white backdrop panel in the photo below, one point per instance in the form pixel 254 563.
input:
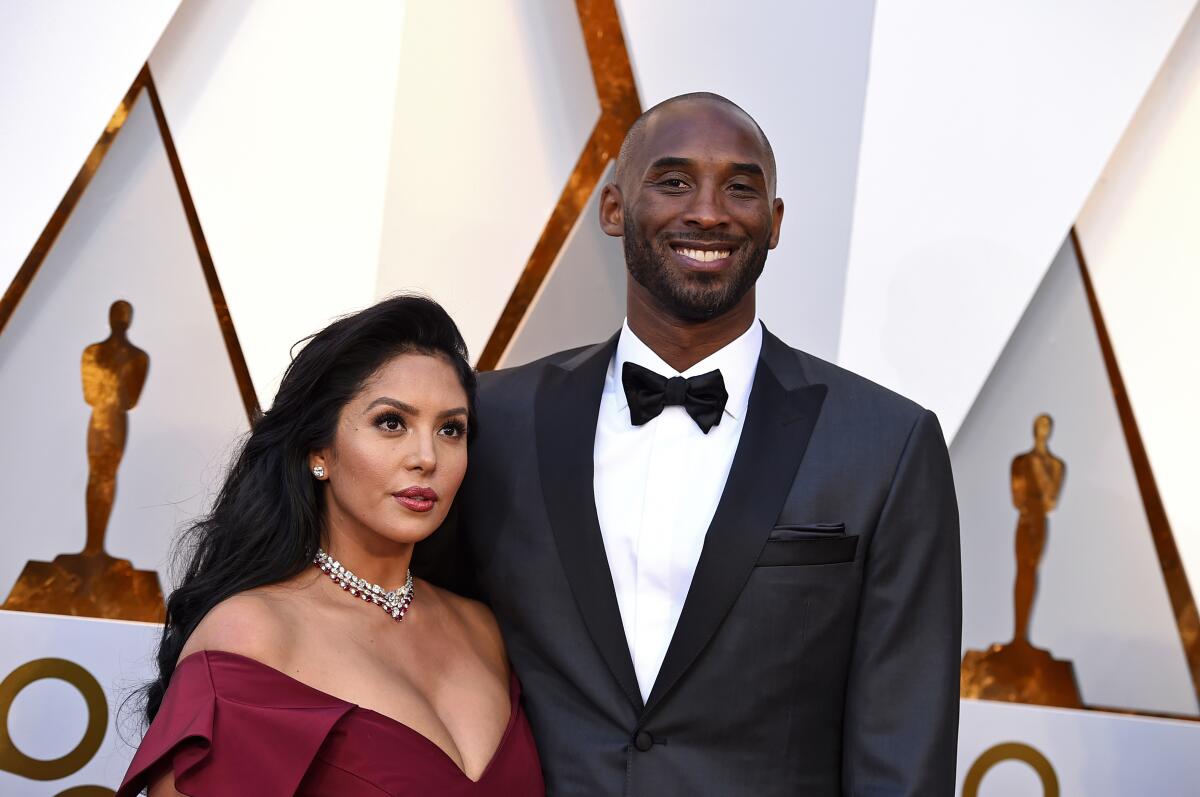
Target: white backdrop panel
pixel 800 69
pixel 49 716
pixel 282 114
pixel 127 239
pixel 1101 600
pixel 65 66
pixel 986 126
pixel 494 106
pixel 1140 234
pixel 1094 754
pixel 582 300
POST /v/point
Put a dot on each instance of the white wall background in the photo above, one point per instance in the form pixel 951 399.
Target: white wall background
pixel 494 105
pixel 582 300
pixel 1140 234
pixel 1093 754
pixel 985 129
pixel 48 717
pixel 283 116
pixel 127 239
pixel 1101 601
pixel 932 156
pixel 800 69
pixel 64 67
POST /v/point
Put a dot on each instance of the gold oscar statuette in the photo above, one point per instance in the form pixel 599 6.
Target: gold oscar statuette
pixel 92 583
pixel 1017 671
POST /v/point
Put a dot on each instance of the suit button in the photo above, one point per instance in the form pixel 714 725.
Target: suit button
pixel 643 741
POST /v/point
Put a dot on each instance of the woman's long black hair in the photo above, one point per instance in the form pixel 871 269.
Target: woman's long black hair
pixel 266 523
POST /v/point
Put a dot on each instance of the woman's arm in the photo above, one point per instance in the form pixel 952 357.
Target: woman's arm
pixel 162 782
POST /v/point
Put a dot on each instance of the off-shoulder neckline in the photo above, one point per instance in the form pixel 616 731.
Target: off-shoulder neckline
pixel 513 691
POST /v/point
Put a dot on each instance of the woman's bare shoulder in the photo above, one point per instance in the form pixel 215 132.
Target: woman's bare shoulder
pixel 257 624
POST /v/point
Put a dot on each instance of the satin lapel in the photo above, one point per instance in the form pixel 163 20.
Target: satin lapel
pixel 779 422
pixel 567 407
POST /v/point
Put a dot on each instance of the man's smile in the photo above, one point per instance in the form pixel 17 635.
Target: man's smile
pixel 703 255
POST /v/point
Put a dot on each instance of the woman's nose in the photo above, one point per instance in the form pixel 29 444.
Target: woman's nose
pixel 421 455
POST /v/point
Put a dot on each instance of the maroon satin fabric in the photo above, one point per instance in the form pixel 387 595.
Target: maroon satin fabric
pixel 232 725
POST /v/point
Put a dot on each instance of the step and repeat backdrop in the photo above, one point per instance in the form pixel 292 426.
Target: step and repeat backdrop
pixel 989 210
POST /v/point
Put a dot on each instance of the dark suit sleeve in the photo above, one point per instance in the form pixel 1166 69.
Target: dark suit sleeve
pixel 900 729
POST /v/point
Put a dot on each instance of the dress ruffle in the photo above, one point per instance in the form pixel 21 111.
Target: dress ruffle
pixel 218 735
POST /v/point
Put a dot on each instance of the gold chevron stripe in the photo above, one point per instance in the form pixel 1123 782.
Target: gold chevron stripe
pixel 619 107
pixel 1179 590
pixel 20 283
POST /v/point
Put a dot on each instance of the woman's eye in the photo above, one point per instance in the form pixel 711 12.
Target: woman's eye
pixel 454 429
pixel 390 423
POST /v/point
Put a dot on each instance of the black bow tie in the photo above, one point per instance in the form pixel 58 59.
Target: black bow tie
pixel 703 397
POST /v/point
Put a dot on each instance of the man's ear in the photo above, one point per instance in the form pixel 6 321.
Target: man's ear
pixel 776 221
pixel 612 211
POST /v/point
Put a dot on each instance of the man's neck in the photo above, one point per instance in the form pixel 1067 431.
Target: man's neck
pixel 681 343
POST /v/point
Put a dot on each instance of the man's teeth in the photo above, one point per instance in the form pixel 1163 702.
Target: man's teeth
pixel 704 255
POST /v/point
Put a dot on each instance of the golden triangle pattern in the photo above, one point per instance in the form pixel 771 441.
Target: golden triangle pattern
pixel 619 107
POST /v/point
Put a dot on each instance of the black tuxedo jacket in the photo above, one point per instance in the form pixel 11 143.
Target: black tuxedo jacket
pixel 818 648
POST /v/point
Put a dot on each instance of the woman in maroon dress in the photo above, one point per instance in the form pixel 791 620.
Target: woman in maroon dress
pixel 299 654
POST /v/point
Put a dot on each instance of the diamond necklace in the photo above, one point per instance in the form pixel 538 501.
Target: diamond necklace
pixel 395 602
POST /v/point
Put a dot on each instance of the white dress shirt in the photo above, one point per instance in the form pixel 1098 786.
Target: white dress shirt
pixel 657 487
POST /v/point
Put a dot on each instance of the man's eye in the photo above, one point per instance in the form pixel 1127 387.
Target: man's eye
pixel 673 182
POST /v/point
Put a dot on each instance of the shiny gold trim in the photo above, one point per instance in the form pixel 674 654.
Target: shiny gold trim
pixel 86 791
pixel 91 583
pixel 1018 671
pixel 88 589
pixel 619 108
pixel 1138 712
pixel 1011 751
pixel 1183 602
pixel 37 255
pixel 58 219
pixel 13 760
pixel 236 358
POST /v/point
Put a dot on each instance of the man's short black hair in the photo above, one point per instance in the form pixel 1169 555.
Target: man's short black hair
pixel 637 132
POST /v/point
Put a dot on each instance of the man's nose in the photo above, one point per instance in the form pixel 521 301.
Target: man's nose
pixel 707 208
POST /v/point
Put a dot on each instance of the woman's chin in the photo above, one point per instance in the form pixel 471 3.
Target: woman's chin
pixel 410 533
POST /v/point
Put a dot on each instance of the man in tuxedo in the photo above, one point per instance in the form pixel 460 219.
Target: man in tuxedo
pixel 721 565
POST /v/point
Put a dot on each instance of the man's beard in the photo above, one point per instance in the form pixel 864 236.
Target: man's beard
pixel 695 296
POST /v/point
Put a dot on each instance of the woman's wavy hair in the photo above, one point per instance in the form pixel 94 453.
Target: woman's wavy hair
pixel 268 517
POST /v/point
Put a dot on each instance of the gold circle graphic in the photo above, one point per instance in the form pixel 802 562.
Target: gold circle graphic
pixel 1011 751
pixel 12 759
pixel 87 791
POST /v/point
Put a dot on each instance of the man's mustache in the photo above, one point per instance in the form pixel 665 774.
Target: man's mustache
pixel 701 238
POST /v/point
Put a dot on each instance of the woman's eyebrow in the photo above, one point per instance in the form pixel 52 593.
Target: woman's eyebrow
pixel 410 409
pixel 391 402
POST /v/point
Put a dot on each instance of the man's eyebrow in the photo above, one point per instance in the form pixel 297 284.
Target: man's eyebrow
pixel 673 161
pixel 670 162
pixel 749 168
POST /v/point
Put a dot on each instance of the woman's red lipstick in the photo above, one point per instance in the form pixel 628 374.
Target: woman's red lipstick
pixel 418 499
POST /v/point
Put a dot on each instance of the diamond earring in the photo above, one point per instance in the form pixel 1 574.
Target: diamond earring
pixel 319 471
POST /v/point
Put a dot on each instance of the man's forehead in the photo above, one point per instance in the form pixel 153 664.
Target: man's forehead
pixel 702 129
